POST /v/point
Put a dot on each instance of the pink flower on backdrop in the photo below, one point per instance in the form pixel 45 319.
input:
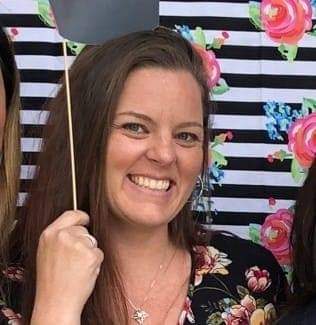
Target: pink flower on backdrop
pixel 286 21
pixel 211 65
pixel 302 140
pixel 275 234
pixel 257 280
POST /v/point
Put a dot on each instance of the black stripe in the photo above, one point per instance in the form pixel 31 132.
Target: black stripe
pixel 32 131
pixel 39 48
pixel 270 81
pixel 50 76
pixel 21 20
pixel 232 218
pixel 33 103
pixel 253 164
pixel 245 108
pixel 262 53
pixel 255 191
pixel 29 158
pixel 251 136
pixel 208 22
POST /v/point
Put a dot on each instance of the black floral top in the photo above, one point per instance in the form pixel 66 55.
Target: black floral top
pixel 233 282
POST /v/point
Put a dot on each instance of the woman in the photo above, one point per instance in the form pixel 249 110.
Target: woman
pixel 9 154
pixel 9 139
pixel 140 114
pixel 303 242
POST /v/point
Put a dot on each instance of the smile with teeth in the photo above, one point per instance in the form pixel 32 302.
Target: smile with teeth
pixel 150 183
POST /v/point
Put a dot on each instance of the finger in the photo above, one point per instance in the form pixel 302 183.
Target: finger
pixel 88 240
pixel 70 218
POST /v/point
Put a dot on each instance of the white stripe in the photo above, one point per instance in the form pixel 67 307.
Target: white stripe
pixel 284 95
pixel 18 6
pixel 37 34
pixel 33 117
pixel 203 9
pixel 233 122
pixel 31 144
pixel 21 199
pixel 260 150
pixel 42 62
pixel 241 231
pixel 36 89
pixel 236 38
pixel 238 94
pixel 27 171
pixel 254 38
pixel 227 204
pixel 234 177
pixel 300 68
pixel 261 178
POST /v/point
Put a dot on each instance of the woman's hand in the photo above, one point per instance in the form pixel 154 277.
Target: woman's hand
pixel 68 264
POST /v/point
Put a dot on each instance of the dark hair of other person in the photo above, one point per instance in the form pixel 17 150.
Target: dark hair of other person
pixel 97 79
pixel 11 155
pixel 303 241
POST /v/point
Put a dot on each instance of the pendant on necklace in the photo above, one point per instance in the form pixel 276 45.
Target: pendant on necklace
pixel 139 316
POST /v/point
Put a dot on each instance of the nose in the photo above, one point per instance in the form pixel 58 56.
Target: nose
pixel 162 150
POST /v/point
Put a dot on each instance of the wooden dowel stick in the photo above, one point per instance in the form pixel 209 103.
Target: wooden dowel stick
pixel 70 128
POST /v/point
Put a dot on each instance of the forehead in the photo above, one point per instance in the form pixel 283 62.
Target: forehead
pixel 162 93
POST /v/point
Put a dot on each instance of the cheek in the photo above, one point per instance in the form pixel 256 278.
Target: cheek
pixel 191 165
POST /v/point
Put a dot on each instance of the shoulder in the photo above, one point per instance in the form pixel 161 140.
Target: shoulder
pixel 243 251
pixel 232 274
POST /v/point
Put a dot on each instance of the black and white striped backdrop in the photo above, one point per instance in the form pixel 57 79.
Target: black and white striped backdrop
pixel 251 185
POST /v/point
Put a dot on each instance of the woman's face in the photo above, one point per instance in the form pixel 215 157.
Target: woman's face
pixel 2 109
pixel 155 149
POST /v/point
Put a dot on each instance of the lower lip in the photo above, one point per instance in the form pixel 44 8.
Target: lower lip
pixel 139 190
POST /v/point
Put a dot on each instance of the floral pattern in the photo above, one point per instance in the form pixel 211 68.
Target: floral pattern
pixel 225 289
pixel 285 22
pixel 209 260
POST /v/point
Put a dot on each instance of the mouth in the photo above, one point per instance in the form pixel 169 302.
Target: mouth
pixel 161 185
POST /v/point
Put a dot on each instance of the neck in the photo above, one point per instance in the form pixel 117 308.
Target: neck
pixel 140 250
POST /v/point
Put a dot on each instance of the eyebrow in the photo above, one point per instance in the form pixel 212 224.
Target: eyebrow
pixel 148 119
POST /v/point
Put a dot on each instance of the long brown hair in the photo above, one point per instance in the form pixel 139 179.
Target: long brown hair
pixel 10 164
pixel 97 78
pixel 303 241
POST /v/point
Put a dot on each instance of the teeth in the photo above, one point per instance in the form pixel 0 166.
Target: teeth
pixel 153 184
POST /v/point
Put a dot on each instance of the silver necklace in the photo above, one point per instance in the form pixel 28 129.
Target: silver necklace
pixel 139 315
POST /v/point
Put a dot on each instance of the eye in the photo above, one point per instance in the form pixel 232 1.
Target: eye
pixel 188 137
pixel 135 128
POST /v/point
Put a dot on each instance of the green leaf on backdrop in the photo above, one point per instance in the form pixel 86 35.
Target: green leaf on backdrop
pixel 221 88
pixel 45 13
pixel 199 37
pixel 254 233
pixel 298 173
pixel 218 158
pixel 313 31
pixel 75 47
pixel 308 106
pixel 254 14
pixel 288 52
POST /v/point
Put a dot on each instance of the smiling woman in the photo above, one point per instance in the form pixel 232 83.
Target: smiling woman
pixel 140 112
